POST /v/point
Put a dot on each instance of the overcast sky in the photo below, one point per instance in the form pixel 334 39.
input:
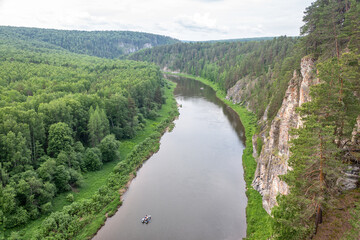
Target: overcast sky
pixel 181 19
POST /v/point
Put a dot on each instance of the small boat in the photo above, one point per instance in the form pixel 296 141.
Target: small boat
pixel 146 219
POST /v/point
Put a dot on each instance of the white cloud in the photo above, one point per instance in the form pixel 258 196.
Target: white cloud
pixel 200 22
pixel 185 19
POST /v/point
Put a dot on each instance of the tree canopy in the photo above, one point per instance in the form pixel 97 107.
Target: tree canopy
pixel 62 114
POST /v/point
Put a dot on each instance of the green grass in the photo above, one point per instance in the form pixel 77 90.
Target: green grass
pixel 126 147
pixel 258 221
pixel 92 181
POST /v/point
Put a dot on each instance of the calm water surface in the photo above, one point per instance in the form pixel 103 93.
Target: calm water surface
pixel 194 186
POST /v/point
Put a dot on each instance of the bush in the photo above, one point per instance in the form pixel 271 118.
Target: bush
pixel 70 197
pixel 61 178
pixel 109 148
pixel 46 208
pixel 92 159
pixel 75 178
pixel 152 115
pixel 259 144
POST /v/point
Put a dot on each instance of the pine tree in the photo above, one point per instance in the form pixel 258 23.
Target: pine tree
pixel 317 148
pixel 323 26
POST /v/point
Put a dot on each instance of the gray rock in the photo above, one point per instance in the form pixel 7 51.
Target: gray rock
pixel 273 159
pixel 350 179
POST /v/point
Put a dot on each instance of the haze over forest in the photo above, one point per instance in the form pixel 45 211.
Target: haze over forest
pixel 193 20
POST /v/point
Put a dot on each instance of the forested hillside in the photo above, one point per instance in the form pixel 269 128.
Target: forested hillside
pixel 265 66
pixel 236 40
pixel 106 44
pixel 62 115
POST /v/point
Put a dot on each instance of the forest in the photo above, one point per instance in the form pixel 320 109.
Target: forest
pixel 63 115
pixel 105 44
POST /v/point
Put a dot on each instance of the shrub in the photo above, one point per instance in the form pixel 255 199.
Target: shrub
pixel 70 197
pixel 92 159
pixel 109 148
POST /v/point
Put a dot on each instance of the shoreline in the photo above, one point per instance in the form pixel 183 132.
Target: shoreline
pixel 105 201
pixel 257 220
pixel 124 189
pixel 163 129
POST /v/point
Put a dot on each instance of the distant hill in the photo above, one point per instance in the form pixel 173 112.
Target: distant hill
pixel 237 40
pixel 106 44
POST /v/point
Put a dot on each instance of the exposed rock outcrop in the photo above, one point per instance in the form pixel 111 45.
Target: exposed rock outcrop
pixel 273 159
pixel 131 48
pixel 241 91
pixel 356 131
pixel 350 179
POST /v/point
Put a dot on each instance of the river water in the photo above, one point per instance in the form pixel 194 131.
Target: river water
pixel 193 187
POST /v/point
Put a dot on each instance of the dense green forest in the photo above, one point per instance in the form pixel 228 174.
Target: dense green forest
pixel 236 40
pixel 106 44
pixel 62 115
pixel 266 66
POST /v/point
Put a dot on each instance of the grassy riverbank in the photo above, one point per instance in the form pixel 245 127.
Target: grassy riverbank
pixel 100 191
pixel 258 221
pixel 134 152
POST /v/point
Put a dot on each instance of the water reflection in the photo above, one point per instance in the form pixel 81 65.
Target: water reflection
pixel 189 88
pixel 194 186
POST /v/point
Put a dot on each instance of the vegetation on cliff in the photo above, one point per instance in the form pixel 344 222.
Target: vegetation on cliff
pixel 326 143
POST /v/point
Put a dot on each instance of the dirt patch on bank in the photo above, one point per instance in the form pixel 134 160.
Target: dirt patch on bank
pixel 336 221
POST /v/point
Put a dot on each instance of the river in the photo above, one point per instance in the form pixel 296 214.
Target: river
pixel 193 187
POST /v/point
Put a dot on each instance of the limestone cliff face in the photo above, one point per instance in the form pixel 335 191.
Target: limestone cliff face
pixel 273 159
pixel 241 92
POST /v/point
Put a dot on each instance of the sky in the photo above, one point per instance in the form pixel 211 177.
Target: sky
pixel 194 20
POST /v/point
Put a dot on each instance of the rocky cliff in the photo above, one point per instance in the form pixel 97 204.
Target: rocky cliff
pixel 241 92
pixel 273 159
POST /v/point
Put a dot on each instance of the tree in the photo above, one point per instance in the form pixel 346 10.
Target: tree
pixel 323 27
pixel 158 96
pixel 109 148
pixel 98 125
pixel 92 159
pixel 36 135
pixel 312 180
pixel 116 108
pixel 60 139
pixel 47 170
pixel 8 205
pixel 61 178
pixel 17 154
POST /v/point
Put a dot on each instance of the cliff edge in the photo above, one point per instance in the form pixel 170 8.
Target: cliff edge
pixel 273 159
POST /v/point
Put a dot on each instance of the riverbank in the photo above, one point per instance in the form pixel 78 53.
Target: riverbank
pixel 258 221
pixel 138 150
pixel 99 196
